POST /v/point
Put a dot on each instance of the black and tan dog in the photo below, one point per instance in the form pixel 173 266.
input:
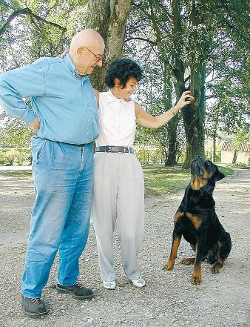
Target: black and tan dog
pixel 197 221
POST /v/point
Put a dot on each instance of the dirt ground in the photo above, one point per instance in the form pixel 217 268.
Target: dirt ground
pixel 169 298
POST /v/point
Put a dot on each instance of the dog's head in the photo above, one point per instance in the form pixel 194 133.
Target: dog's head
pixel 204 172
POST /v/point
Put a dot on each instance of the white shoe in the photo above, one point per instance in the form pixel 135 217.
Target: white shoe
pixel 109 285
pixel 140 282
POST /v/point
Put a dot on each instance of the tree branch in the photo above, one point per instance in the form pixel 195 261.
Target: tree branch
pixel 28 12
pixel 141 39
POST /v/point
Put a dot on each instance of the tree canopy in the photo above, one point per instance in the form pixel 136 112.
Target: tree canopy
pixel 198 45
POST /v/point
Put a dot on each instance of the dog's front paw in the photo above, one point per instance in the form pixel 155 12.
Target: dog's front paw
pixel 196 280
pixel 169 265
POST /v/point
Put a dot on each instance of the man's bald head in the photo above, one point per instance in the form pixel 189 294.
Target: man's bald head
pixel 89 38
pixel 86 51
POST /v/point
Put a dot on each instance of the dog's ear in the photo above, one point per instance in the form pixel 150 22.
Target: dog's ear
pixel 218 175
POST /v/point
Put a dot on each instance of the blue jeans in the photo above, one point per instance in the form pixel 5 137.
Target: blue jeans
pixel 63 181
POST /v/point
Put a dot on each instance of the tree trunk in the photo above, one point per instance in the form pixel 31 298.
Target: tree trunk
pixel 215 125
pixel 234 161
pixel 194 117
pixel 170 143
pixel 214 148
pixel 109 18
pixel 171 152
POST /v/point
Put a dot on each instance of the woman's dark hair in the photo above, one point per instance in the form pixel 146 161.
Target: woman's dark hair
pixel 122 69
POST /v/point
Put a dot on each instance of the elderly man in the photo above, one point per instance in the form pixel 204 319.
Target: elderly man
pixel 64 121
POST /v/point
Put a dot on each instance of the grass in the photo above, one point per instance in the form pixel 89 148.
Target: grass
pixel 16 173
pixel 159 180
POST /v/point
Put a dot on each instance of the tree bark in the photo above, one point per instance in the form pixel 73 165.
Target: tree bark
pixel 109 18
pixel 193 114
pixel 171 153
pixel 194 117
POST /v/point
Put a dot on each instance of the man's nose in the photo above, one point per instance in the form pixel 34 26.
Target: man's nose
pixel 99 63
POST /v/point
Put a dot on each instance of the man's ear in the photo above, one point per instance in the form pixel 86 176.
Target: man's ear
pixel 79 50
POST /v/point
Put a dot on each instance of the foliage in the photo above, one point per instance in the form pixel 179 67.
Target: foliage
pixel 195 41
pixel 242 138
pixel 149 155
pixel 15 134
pixel 15 143
pixel 15 157
pixel 33 29
pixel 202 45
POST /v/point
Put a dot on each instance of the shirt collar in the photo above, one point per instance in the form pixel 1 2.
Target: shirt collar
pixel 71 66
pixel 69 63
pixel 112 98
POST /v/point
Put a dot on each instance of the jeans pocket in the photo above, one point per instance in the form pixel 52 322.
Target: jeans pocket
pixel 38 145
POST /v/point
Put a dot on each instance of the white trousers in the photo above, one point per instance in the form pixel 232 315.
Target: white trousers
pixel 118 198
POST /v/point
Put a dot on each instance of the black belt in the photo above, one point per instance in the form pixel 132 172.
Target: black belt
pixel 114 149
pixel 79 145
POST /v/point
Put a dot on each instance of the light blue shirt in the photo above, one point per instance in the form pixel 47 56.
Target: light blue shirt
pixel 64 103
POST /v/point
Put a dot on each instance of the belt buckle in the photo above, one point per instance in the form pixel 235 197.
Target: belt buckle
pixel 109 148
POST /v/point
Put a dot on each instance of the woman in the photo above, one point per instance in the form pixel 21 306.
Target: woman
pixel 118 196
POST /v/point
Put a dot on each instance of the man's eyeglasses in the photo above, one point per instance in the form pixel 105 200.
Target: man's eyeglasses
pixel 97 57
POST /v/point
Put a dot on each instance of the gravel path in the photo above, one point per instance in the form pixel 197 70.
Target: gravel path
pixel 169 298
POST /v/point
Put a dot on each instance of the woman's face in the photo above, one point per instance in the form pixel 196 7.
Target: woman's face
pixel 126 91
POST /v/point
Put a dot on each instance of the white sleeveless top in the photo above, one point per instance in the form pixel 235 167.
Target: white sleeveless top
pixel 117 121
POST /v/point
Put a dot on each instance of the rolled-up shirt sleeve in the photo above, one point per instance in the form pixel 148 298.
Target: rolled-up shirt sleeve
pixel 18 84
